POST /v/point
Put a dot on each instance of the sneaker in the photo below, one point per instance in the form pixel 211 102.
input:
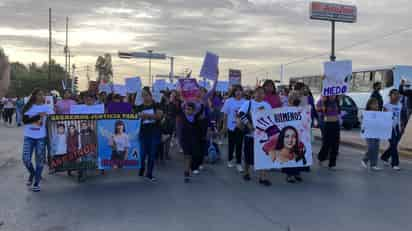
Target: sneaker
pixel 201 167
pixel 239 168
pixel 396 168
pixel 151 179
pixel 230 164
pixel 196 172
pixel 29 182
pixel 364 164
pixel 266 183
pixel 246 177
pixel 35 188
pixel 386 163
pixel 332 168
pixel 376 168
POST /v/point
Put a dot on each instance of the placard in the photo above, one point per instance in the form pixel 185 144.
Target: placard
pixel 222 86
pixel 282 138
pixel 105 87
pixel 210 66
pixel 133 84
pixel 87 109
pixel 118 143
pixel 72 142
pixel 337 75
pixel 376 125
pixel 235 77
pixel 119 89
pixel 189 89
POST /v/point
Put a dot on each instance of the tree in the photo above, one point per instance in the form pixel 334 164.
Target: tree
pixel 26 78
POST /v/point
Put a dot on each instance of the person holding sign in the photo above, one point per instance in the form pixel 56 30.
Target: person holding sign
pixel 245 115
pixel 34 118
pixel 271 96
pixel 392 152
pixel 329 112
pixel 63 106
pixel 151 115
pixel 373 144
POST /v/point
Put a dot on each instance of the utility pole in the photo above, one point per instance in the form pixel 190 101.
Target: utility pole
pixel 282 72
pixel 50 48
pixel 66 51
pixel 73 74
pixel 332 55
pixel 68 65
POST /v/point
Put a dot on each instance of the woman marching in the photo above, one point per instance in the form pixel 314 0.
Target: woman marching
pixel 329 112
pixel 150 131
pixel 34 118
pixel 235 134
pixel 245 114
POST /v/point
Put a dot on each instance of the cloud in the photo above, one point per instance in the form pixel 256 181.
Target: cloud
pixel 253 35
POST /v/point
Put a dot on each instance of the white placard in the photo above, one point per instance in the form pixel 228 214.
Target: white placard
pixel 338 75
pixel 133 84
pixel 105 87
pixel 222 86
pixel 87 109
pixel 376 125
pixel 282 138
pixel 120 89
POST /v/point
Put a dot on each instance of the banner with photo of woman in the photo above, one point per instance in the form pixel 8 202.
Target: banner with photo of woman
pixel 118 142
pixel 282 138
pixel 73 142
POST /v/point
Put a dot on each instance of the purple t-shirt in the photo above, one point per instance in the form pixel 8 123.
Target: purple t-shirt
pixel 119 107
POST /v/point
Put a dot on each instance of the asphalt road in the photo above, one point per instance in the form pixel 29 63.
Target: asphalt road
pixel 348 199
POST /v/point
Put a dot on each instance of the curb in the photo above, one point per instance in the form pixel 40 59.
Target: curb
pixel 402 153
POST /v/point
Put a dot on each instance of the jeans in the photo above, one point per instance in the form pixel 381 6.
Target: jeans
pixel 235 143
pixel 330 142
pixel 19 116
pixel 392 151
pixel 373 151
pixel 38 146
pixel 149 145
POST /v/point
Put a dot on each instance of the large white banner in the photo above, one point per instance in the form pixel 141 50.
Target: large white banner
pixel 282 138
pixel 338 75
pixel 376 125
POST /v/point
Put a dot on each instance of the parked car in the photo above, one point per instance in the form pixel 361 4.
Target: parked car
pixel 350 112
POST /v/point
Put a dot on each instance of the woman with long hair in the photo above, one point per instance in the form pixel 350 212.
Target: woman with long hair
pixel 232 126
pixel 120 144
pixel 271 96
pixel 34 118
pixel 329 109
pixel 150 115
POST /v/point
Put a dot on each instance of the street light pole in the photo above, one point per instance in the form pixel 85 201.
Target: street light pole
pixel 150 67
pixel 332 56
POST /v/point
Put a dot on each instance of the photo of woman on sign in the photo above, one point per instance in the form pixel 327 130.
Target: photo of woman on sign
pixel 288 146
pixel 120 144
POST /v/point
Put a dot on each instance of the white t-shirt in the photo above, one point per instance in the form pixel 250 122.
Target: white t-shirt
pixel 37 130
pixel 254 107
pixel 396 111
pixel 231 109
pixel 9 103
pixel 121 142
pixel 59 144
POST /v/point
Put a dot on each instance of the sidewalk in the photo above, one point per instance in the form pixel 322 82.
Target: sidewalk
pixel 353 138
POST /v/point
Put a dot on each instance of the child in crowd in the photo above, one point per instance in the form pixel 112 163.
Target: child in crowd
pixel 373 144
pixel 392 152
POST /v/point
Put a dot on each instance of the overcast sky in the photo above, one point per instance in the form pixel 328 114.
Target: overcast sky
pixel 255 36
